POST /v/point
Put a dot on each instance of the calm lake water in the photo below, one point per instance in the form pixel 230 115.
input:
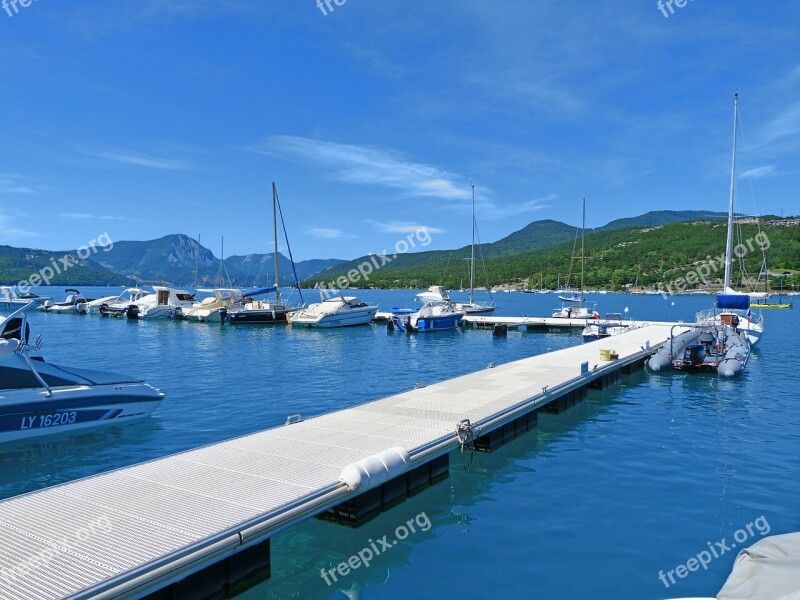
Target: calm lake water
pixel 637 479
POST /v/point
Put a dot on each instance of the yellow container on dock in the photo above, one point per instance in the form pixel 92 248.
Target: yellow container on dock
pixel 605 354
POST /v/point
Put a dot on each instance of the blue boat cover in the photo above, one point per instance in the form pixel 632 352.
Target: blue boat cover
pixel 740 301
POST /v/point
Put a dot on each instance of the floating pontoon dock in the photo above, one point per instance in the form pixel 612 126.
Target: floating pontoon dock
pixel 526 322
pixel 199 523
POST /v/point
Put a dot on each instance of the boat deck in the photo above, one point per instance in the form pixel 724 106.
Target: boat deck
pixel 135 530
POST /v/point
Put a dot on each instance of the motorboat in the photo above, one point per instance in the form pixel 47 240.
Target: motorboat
pixel 612 324
pixel 10 297
pixel 720 348
pixel 571 298
pixel 38 398
pixel 73 303
pixel 435 293
pixel 717 349
pixel 582 311
pixel 161 305
pixel 214 308
pixel 249 310
pixel 432 316
pixel 122 301
pixel 339 311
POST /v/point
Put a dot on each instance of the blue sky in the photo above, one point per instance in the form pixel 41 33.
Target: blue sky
pixel 152 117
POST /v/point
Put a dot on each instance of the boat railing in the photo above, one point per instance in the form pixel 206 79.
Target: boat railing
pixel 23 349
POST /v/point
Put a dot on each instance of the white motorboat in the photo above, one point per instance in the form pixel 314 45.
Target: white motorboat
pixel 73 303
pixel 39 398
pixel 572 298
pixel 435 293
pixel 10 297
pixel 584 311
pixel 122 301
pixel 341 311
pixel 611 325
pixel 161 305
pixel 214 308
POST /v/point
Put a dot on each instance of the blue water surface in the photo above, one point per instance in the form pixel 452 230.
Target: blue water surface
pixel 595 503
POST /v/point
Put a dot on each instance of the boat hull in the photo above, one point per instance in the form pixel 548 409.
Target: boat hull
pixel 244 317
pixel 426 324
pixel 340 319
pixel 153 312
pixel 29 413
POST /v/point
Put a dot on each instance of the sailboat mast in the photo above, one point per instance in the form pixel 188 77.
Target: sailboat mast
pixel 196 261
pixel 275 232
pixel 583 232
pixel 472 258
pixel 729 242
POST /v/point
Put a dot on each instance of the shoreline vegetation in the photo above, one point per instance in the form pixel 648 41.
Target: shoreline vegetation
pixel 633 258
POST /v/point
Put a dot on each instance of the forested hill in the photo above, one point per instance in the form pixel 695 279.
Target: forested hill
pixel 614 258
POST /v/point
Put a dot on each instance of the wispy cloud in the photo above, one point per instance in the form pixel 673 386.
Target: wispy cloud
pixel 403 227
pixel 88 217
pixel 369 166
pixel 328 233
pixel 137 159
pixel 492 210
pixel 17 184
pixel 784 125
pixel 10 231
pixel 758 172
pixel 624 179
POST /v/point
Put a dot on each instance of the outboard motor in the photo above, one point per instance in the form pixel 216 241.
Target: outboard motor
pixel 12 330
pixel 707 339
pixel 133 312
pixel 694 354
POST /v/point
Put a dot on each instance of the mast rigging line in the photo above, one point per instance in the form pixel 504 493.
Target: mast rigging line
pixel 288 246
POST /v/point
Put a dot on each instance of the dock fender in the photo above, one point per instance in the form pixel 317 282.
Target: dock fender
pixel 376 469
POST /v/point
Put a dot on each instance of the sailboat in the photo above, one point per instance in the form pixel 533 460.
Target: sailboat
pixel 575 307
pixel 732 307
pixel 472 307
pixel 762 299
pixel 721 339
pixel 255 311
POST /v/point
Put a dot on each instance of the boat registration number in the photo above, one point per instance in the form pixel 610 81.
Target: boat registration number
pixel 40 421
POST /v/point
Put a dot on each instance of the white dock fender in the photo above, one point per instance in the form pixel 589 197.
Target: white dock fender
pixel 376 469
